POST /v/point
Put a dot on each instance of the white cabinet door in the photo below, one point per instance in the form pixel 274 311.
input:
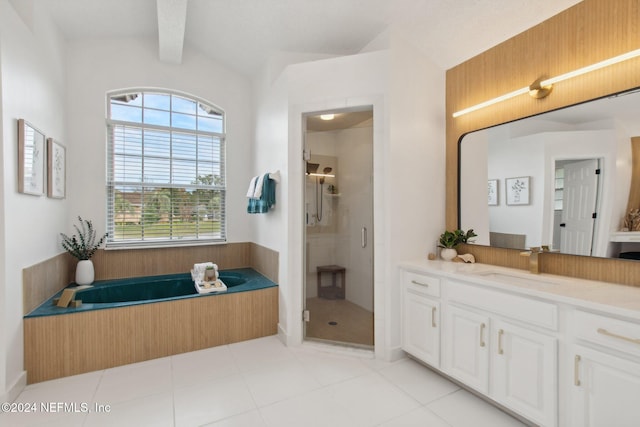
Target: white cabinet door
pixel 524 372
pixel 421 327
pixel 606 390
pixel 466 344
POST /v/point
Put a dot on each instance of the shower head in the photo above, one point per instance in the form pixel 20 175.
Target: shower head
pixel 327 170
pixel 312 167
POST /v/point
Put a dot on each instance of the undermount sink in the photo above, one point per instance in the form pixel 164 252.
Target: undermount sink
pixel 518 278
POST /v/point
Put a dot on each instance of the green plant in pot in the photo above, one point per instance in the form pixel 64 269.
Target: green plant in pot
pixel 450 239
pixel 82 246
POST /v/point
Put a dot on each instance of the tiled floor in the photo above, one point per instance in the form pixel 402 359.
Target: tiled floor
pixel 255 384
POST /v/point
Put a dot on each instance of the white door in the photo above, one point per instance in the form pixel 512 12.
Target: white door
pixel 524 373
pixel 579 206
pixel 606 390
pixel 421 327
pixel 466 355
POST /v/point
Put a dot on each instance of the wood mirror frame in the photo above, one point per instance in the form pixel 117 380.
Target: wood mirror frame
pixel 589 32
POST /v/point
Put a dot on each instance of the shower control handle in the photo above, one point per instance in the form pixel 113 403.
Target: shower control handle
pixel 363 235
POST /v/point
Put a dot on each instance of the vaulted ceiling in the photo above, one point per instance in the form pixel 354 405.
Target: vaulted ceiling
pixel 242 34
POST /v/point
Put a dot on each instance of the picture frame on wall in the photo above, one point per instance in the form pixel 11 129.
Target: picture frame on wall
pixel 56 169
pixel 31 159
pixel 517 190
pixel 492 191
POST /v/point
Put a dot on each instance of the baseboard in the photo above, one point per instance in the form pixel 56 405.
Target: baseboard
pixel 394 354
pixel 282 335
pixel 16 388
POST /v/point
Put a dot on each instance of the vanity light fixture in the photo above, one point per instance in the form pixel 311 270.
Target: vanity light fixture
pixel 327 116
pixel 542 87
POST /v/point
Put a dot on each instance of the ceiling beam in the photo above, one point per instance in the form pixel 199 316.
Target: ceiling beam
pixel 172 18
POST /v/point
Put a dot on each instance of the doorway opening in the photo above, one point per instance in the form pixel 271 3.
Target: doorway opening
pixel 338 250
pixel 577 183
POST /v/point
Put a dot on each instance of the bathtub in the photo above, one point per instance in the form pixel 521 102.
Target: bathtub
pixel 131 320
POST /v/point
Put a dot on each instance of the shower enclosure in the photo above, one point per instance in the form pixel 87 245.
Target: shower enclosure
pixel 339 227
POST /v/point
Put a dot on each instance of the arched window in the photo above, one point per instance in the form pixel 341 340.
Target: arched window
pixel 165 169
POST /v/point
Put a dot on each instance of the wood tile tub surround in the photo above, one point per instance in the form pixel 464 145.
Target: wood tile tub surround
pixel 42 280
pixel 70 344
pixel 588 32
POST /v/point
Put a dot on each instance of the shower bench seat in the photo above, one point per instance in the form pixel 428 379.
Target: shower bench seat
pixel 332 291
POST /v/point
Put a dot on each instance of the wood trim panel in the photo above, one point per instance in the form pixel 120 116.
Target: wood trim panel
pixel 42 280
pixel 69 344
pixel 588 32
pixel 121 263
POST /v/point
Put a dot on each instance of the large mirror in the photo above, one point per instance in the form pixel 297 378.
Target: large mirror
pixel 560 179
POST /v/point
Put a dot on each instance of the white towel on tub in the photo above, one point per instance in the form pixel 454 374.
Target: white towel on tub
pixel 197 274
pixel 202 286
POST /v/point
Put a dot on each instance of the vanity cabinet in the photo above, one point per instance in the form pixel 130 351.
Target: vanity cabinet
pixel 421 317
pixel 557 351
pixel 514 365
pixel 465 349
pixel 606 371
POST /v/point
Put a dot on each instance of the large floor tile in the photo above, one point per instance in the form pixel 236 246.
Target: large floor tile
pixel 211 401
pixel 463 409
pixel 317 408
pixel 256 353
pixel 331 368
pixel 152 411
pixel 280 380
pixel 42 419
pixel 247 419
pixel 421 383
pixel 371 399
pixel 202 365
pixel 76 388
pixel 133 381
pixel 421 417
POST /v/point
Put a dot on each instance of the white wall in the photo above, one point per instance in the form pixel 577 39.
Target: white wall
pixel 415 189
pixel 518 157
pixel 32 69
pixel 407 94
pixel 98 66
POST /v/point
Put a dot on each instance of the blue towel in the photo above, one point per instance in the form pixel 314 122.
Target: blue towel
pixel 267 200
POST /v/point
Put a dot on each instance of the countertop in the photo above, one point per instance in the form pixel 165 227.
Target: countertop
pixel 612 298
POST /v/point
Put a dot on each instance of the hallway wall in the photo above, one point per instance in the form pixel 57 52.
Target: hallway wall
pixel 33 87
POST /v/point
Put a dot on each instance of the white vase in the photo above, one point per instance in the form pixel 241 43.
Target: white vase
pixel 85 272
pixel 448 254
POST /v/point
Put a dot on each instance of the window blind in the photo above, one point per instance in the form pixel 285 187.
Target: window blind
pixel 166 175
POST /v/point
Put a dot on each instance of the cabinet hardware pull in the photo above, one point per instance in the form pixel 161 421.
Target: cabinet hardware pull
pixel 500 333
pixel 576 370
pixel 620 337
pixel 433 317
pixel 415 282
pixel 364 237
pixel 482 326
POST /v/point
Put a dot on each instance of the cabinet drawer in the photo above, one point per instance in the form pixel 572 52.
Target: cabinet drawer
pixel 516 307
pixel 613 333
pixel 421 283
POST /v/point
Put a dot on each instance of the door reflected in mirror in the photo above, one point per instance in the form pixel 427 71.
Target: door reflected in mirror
pixel 578 162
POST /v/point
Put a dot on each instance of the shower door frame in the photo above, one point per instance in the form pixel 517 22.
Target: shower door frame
pixel 369 236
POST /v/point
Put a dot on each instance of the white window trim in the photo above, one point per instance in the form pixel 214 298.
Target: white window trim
pixel 110 183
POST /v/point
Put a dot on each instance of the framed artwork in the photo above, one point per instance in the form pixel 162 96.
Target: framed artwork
pixel 492 191
pixel 56 169
pixel 518 190
pixel 31 162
